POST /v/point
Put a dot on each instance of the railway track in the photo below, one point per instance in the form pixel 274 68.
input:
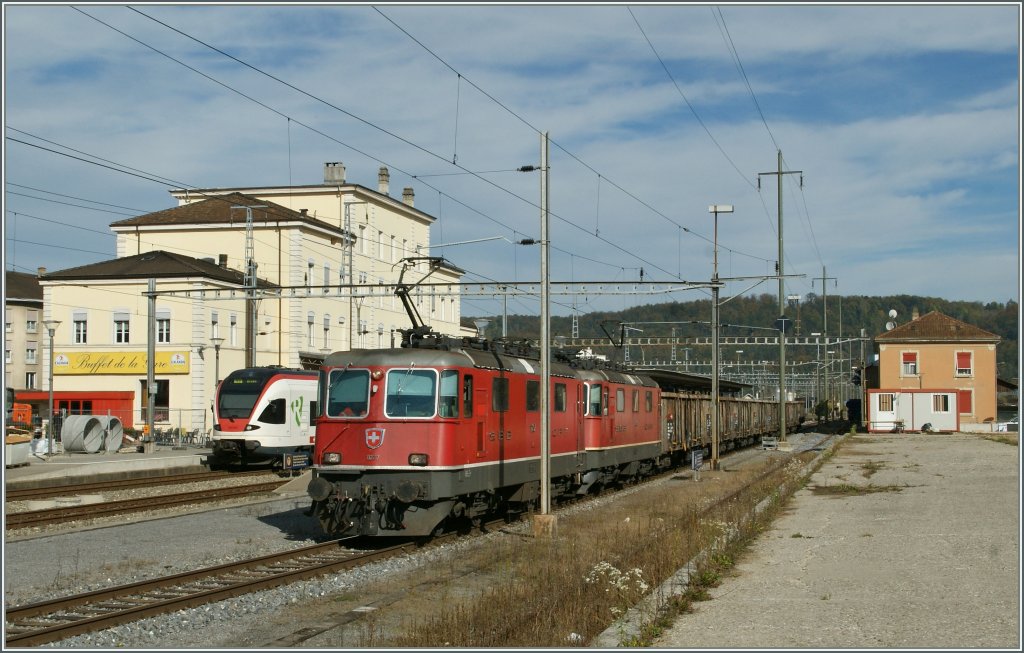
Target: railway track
pixel 25 494
pixel 48 621
pixel 104 509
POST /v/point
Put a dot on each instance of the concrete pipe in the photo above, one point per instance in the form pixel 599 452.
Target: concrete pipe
pixel 115 434
pixel 82 433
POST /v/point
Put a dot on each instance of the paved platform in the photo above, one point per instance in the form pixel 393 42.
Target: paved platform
pixel 43 469
pixel 925 555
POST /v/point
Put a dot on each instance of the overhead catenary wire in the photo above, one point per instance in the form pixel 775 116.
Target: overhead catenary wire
pixel 360 119
pixel 552 141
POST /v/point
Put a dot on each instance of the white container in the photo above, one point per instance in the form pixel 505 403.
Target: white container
pixel 16 453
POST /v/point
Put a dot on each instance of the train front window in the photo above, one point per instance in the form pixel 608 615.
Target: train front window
pixel 348 393
pixel 411 393
pixel 238 395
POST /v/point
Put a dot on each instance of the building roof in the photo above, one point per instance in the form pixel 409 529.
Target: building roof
pixel 937 327
pixel 218 210
pixel 156 264
pixel 22 287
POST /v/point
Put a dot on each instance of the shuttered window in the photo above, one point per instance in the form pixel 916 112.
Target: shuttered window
pixel 963 363
pixel 910 363
pixel 965 401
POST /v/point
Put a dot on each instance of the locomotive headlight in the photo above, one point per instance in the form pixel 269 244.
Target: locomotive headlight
pixel 418 459
pixel 332 458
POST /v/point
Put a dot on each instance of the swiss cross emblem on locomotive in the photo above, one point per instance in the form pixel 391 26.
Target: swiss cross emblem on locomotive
pixel 374 438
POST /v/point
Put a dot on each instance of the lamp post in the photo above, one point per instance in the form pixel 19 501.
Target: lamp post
pixel 716 209
pixel 217 342
pixel 51 328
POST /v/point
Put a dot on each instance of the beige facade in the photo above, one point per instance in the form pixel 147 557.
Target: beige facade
pixel 937 352
pixel 101 344
pixel 327 258
pixel 351 235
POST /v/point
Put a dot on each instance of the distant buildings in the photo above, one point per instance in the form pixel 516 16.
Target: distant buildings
pixel 24 334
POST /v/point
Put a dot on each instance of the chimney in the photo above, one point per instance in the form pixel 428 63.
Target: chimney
pixel 303 211
pixel 41 271
pixel 914 315
pixel 222 260
pixel 334 173
pixel 407 196
pixel 383 176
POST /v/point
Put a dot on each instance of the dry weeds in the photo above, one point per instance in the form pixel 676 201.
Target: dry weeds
pixel 565 591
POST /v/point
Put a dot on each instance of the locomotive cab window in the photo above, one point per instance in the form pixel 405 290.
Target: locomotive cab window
pixel 649 402
pixel 448 405
pixel 620 400
pixel 594 400
pixel 636 401
pixel 348 393
pixel 467 396
pixel 411 393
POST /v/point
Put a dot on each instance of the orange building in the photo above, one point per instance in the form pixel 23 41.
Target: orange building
pixel 937 352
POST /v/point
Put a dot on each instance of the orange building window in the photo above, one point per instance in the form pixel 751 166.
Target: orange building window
pixel 963 363
pixel 910 363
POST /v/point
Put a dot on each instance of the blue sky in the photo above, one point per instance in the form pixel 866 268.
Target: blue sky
pixel 904 120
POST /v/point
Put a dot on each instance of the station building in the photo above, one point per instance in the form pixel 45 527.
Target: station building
pixel 323 259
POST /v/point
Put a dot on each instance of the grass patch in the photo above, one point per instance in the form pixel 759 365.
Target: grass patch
pixel 849 490
pixel 1012 441
pixel 869 468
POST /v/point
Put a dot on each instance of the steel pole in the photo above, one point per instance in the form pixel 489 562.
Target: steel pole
pixel 545 338
pixel 151 359
pixel 782 311
pixel 49 430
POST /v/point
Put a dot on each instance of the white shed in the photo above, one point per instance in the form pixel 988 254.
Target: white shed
pixel 911 410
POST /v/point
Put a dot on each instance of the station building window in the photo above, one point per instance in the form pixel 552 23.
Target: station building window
pixel 163 326
pixel 79 318
pixel 122 323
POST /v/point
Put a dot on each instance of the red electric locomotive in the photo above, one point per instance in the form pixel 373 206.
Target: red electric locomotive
pixel 444 431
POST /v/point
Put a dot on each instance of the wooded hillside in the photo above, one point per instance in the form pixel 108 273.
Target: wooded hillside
pixel 751 316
